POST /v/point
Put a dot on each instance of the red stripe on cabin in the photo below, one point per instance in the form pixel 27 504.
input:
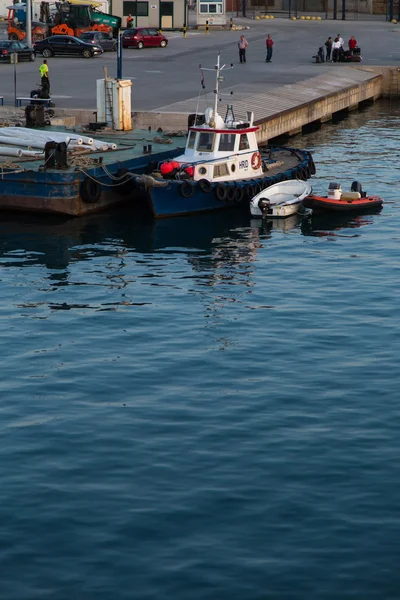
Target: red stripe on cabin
pixel 248 130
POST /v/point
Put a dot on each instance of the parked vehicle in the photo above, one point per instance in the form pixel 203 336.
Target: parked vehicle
pixel 100 38
pixel 8 47
pixel 142 37
pixel 16 24
pixel 68 18
pixel 74 18
pixel 66 45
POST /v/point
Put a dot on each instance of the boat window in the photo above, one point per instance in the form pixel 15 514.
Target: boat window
pixel 227 142
pixel 221 170
pixel 205 142
pixel 191 140
pixel 244 142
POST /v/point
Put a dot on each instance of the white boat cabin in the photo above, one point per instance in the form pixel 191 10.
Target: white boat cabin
pixel 222 150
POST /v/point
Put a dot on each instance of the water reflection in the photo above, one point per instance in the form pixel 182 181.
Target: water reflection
pixel 334 224
pixel 208 241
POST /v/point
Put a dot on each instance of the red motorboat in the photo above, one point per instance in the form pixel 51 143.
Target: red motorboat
pixel 338 201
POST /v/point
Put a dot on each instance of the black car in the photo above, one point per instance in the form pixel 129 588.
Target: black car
pixel 9 47
pixel 66 45
pixel 100 38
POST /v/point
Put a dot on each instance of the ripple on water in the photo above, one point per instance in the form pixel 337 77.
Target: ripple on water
pixel 206 408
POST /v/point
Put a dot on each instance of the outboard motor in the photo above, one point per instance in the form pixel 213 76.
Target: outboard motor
pixel 357 187
pixel 264 205
pixel 334 191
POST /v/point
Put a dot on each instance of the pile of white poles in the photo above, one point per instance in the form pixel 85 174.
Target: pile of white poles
pixel 25 138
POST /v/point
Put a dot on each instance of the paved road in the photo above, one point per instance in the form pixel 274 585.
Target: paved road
pixel 163 76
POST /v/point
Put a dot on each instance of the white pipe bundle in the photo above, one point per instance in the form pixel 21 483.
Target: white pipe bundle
pixel 20 142
pixel 49 136
pixel 4 151
pixel 32 153
pixel 71 139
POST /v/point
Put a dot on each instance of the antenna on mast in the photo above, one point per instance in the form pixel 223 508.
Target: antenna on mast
pixel 218 78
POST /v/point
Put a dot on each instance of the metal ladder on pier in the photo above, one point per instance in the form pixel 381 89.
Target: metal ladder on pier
pixel 108 99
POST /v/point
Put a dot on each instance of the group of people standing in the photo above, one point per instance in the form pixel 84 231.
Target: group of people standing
pixel 335 48
pixel 243 44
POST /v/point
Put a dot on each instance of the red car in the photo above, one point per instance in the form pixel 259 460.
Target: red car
pixel 143 37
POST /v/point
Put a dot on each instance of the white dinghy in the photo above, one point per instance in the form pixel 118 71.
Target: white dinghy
pixel 281 200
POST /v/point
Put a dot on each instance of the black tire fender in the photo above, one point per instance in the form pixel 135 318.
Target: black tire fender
pixel 220 192
pixel 230 193
pixel 90 191
pixel 257 189
pixel 248 191
pixel 239 194
pixel 186 189
pixel 205 185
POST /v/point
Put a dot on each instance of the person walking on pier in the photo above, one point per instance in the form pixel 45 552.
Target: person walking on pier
pixel 242 44
pixel 328 46
pixel 269 43
pixel 44 77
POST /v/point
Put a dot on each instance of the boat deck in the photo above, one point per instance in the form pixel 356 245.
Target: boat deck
pixel 131 145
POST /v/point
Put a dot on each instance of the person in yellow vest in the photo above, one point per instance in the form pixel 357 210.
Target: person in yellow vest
pixel 44 77
pixel 129 22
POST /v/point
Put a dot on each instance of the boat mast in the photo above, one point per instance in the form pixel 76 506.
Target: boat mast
pixel 218 77
pixel 218 71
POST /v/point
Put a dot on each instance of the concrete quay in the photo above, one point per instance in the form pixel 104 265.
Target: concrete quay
pixel 285 110
pixel 287 95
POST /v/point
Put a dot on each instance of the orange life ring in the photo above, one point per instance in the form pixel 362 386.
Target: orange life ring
pixel 256 160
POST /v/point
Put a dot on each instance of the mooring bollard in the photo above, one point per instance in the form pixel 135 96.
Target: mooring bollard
pixel 206 26
pixel 184 31
pixel 231 23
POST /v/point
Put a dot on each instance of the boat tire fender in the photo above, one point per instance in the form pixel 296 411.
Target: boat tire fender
pixel 257 188
pixel 230 193
pixel 239 194
pixel 90 191
pixel 220 192
pixel 205 185
pixel 248 191
pixel 186 189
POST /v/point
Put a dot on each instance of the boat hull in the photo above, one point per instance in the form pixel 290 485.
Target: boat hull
pixel 321 204
pixel 179 198
pixel 281 200
pixel 62 191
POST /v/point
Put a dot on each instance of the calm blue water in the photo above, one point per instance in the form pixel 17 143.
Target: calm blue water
pixel 206 408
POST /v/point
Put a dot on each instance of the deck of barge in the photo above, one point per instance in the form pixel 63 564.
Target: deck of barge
pixel 130 145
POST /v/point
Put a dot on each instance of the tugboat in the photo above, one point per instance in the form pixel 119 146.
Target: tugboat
pixel 338 201
pixel 222 165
